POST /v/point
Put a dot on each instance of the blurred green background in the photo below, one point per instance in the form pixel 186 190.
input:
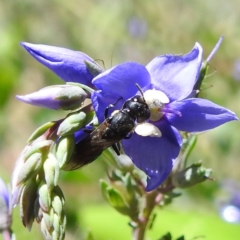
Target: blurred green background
pixel 117 31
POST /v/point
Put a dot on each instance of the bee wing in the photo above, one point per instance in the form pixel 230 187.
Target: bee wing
pixel 90 148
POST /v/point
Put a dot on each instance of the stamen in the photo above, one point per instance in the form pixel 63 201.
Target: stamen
pixel 155 97
pixel 168 110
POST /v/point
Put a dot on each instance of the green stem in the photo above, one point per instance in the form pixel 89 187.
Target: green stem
pixel 150 202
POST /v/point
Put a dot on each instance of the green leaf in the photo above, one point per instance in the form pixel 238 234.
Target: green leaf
pixel 117 201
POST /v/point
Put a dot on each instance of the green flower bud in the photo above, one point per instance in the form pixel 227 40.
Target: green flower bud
pixel 40 131
pixel 72 123
pixel 64 150
pixel 56 225
pixel 27 202
pixel 37 147
pixel 29 168
pixel 48 219
pixel 44 230
pixel 44 198
pixel 57 205
pixel 191 176
pixel 56 191
pixel 51 171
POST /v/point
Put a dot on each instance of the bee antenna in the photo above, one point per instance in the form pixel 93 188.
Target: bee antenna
pixel 140 90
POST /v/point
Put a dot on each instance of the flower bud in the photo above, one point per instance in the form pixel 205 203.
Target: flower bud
pixel 64 150
pixel 40 131
pixel 48 219
pixel 72 123
pixel 65 97
pixel 27 202
pixel 36 147
pixel 30 168
pixel 191 176
pixel 44 198
pixel 51 171
pixel 57 205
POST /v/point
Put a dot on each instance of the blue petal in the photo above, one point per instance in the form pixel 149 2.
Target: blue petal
pixel 81 134
pixel 100 102
pixel 69 65
pixel 199 115
pixel 175 75
pixel 118 82
pixel 153 155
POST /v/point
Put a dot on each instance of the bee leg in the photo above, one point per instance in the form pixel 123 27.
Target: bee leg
pixel 128 136
pixel 116 148
pixel 110 106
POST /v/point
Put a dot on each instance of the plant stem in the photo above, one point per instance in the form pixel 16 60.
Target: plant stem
pixel 150 203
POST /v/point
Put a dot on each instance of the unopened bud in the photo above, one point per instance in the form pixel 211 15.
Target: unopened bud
pixel 72 123
pixel 44 198
pixel 30 168
pixel 51 171
pixel 65 97
pixel 64 151
pixel 191 176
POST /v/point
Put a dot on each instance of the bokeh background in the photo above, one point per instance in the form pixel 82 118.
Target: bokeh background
pixel 118 31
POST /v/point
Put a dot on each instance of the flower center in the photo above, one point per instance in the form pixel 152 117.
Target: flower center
pixel 156 101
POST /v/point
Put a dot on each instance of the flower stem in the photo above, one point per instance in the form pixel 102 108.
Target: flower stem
pixel 151 200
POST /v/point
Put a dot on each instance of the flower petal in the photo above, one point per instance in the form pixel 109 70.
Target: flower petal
pixel 4 193
pixel 153 155
pixel 175 75
pixel 82 133
pixel 64 97
pixel 67 64
pixel 121 80
pixel 101 102
pixel 118 82
pixel 199 115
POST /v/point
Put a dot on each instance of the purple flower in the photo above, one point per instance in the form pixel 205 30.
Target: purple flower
pixel 167 82
pixel 66 97
pixel 69 65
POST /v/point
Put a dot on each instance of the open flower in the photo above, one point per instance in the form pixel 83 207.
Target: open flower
pixel 167 82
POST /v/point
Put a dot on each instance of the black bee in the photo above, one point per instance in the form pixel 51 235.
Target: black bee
pixel 114 128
